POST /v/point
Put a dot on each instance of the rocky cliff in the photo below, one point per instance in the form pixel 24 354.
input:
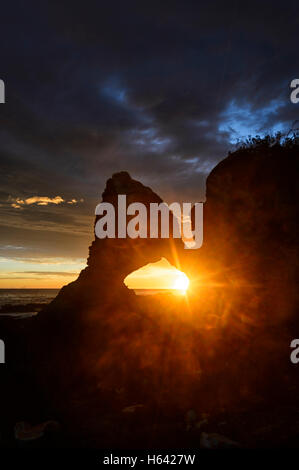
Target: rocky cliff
pixel 98 350
pixel 112 259
pixel 251 226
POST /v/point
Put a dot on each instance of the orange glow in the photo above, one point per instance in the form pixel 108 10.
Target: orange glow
pixel 156 277
pixel 46 282
pixel 181 283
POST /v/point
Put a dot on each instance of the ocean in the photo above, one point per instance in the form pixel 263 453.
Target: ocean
pixel 20 303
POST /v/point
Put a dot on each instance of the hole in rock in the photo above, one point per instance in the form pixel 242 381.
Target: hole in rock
pixel 159 277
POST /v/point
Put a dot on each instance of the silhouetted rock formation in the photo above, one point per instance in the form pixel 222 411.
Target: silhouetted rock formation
pixel 97 314
pixel 98 349
pixel 112 259
pixel 251 226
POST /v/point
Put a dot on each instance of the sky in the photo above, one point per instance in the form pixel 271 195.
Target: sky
pixel 160 89
pixel 157 276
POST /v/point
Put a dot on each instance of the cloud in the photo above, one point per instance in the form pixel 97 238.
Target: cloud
pixel 39 200
pixel 43 201
pixel 12 247
pixel 160 91
pixel 238 120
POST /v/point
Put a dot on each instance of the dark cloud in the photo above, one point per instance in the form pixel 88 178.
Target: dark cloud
pixel 41 244
pixel 162 90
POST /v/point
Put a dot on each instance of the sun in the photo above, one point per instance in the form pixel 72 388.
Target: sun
pixel 160 276
pixel 181 283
